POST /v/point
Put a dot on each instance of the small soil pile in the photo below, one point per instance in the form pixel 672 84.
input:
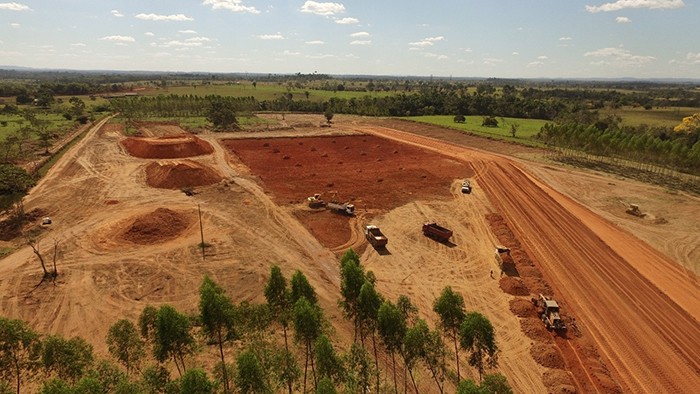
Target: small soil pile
pixel 158 226
pixel 547 355
pixel 174 147
pixel 176 175
pixel 522 307
pixel 534 329
pixel 514 286
pixel 558 381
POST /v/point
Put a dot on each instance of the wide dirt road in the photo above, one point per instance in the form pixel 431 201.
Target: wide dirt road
pixel 636 304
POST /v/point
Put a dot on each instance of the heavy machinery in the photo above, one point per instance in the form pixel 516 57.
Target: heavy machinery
pixel 375 237
pixel 500 252
pixel 466 187
pixel 549 313
pixel 437 232
pixel 634 210
pixel 316 201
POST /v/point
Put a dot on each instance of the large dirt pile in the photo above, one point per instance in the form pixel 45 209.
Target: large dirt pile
pixel 172 147
pixel 176 175
pixel 547 355
pixel 158 226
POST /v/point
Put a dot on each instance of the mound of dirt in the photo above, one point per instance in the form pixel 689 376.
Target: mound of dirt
pixel 514 286
pixel 176 175
pixel 158 226
pixel 535 329
pixel 171 147
pixel 547 355
pixel 522 307
pixel 558 381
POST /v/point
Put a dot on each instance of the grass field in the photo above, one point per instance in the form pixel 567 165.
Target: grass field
pixel 263 91
pixel 16 122
pixel 659 116
pixel 526 130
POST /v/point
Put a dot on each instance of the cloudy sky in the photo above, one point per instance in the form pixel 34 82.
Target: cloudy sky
pixel 460 38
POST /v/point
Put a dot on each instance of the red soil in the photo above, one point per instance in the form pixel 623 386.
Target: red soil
pixel 171 147
pixel 370 171
pixel 176 175
pixel 158 226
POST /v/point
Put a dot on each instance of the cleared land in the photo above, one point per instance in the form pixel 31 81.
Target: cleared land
pixel 637 310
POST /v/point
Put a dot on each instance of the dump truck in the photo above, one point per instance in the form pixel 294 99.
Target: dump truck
pixel 466 187
pixel 375 237
pixel 549 313
pixel 345 208
pixel 437 232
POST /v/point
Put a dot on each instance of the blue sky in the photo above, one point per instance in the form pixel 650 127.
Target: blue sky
pixel 460 38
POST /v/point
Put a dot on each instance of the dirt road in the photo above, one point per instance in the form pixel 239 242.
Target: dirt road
pixel 641 309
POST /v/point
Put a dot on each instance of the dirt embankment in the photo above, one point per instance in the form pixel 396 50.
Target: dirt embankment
pixel 176 175
pixel 154 227
pixel 170 147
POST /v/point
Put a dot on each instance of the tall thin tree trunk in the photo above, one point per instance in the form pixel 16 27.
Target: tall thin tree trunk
pixel 454 336
pixel 393 362
pixel 223 362
pixel 313 368
pixel 18 370
pixel 376 358
pixel 306 367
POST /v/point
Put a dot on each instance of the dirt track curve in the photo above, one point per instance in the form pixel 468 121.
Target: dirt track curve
pixel 637 305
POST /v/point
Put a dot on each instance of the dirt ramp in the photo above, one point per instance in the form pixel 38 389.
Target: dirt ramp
pixel 180 174
pixel 155 227
pixel 171 147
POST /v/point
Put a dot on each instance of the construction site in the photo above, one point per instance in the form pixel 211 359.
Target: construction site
pixel 590 280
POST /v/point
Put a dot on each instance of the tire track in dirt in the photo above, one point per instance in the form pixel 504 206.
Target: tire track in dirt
pixel 649 338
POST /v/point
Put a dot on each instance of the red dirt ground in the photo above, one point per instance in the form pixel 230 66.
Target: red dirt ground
pixel 176 175
pixel 371 172
pixel 170 147
pixel 158 226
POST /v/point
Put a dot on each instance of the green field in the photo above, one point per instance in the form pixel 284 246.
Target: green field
pixel 263 91
pixel 659 116
pixel 526 130
pixel 16 122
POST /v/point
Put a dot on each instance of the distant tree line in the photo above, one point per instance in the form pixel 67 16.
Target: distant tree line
pixel 302 359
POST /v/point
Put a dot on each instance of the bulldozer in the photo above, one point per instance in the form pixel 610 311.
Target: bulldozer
pixel 549 313
pixel 634 210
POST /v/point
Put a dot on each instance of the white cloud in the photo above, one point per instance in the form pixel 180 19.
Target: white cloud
pixel 347 21
pixel 181 44
pixel 172 18
pixel 468 50
pixel 320 56
pixel 426 42
pixel 14 7
pixel 323 9
pixel 492 61
pixel 277 36
pixel 533 64
pixel 618 56
pixel 198 39
pixel 116 13
pixel 543 57
pixel 693 57
pixel 118 39
pixel 290 53
pixel 187 31
pixel 231 5
pixel 565 38
pixel 515 53
pixel 314 42
pixel 624 4
pixel 148 33
pixel 15 25
pixel 78 44
pixel 361 42
pixel 622 19
pixel 360 34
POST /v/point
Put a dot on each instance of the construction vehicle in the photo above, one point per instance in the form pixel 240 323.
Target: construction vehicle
pixel 46 221
pixel 549 313
pixel 466 187
pixel 375 237
pixel 315 201
pixel 437 232
pixel 500 252
pixel 634 210
pixel 345 208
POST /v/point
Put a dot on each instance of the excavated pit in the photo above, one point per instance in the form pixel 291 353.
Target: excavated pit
pixel 170 147
pixel 180 174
